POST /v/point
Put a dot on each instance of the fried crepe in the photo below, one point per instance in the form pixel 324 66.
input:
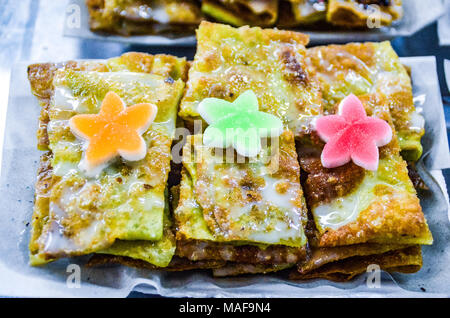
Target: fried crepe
pixel 244 212
pixel 121 210
pixel 370 71
pixel 301 12
pixel 242 12
pixel 130 17
pixel 270 62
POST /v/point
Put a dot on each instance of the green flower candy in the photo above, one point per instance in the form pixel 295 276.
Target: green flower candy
pixel 239 124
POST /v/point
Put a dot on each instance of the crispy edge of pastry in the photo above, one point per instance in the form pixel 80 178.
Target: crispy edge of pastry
pixel 407 260
pixel 43 185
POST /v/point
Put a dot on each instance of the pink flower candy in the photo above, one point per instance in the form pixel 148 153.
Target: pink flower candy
pixel 351 135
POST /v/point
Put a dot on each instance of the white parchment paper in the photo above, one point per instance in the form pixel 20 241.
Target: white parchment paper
pixel 18 174
pixel 417 14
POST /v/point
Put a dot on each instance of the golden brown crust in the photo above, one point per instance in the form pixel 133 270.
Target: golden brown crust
pixel 43 186
pixel 323 185
pixel 407 260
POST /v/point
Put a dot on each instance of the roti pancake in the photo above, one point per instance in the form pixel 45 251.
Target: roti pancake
pixel 130 17
pixel 269 62
pixel 370 70
pixel 41 77
pixel 407 260
pixel 79 214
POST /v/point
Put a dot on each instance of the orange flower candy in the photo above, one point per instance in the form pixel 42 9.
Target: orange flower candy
pixel 115 130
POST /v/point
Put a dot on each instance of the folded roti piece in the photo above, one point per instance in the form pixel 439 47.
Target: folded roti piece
pixel 301 12
pixel 242 12
pixel 364 13
pixel 370 69
pixel 251 212
pixel 121 210
pixel 129 17
pixel 176 264
pixel 269 62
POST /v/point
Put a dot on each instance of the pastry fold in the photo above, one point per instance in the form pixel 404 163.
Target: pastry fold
pixel 242 12
pixel 269 62
pixel 124 209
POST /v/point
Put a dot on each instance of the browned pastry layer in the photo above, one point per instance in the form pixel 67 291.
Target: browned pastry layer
pixel 251 254
pixel 407 260
pixel 323 185
pixel 134 17
pixel 177 263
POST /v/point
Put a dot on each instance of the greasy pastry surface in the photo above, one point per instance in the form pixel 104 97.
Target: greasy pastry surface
pixel 351 205
pixel 226 201
pixel 370 71
pixel 127 17
pixel 270 62
pixel 356 13
pixel 125 201
pixel 242 12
